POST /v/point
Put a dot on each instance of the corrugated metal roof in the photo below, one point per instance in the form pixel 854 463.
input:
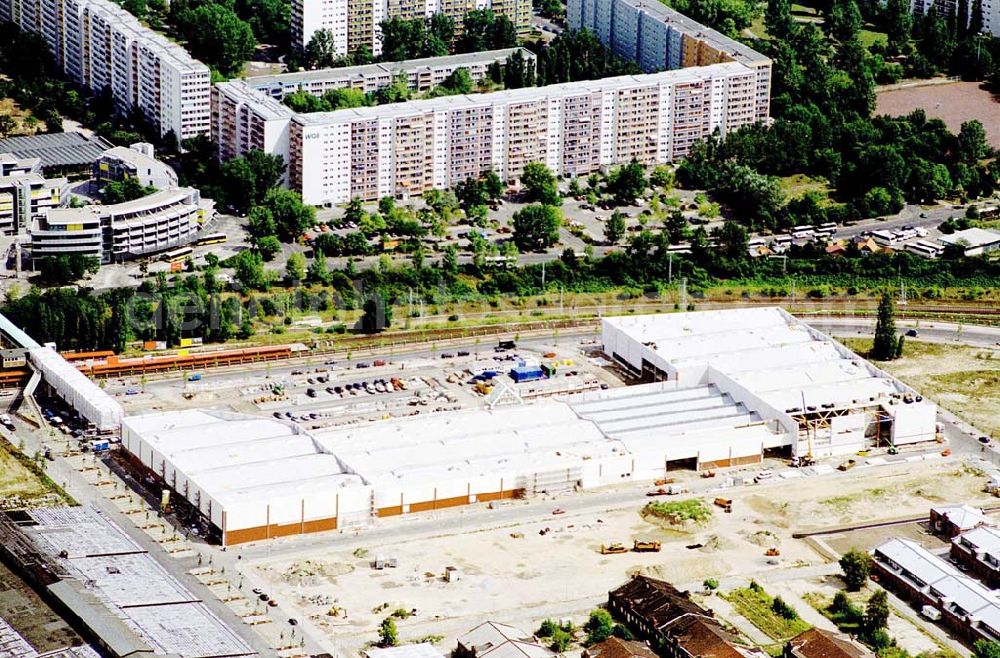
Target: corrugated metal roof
pixel 57 149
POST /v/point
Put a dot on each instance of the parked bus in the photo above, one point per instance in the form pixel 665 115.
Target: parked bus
pixel 212 238
pixel 177 255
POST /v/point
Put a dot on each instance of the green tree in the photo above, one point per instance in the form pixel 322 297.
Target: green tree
pixel 248 178
pixel 260 222
pixel 856 566
pixel 614 228
pixel 972 144
pixel 268 246
pixel 295 268
pixel 321 51
pixel 733 240
pixel 217 36
pixel 291 216
pixel 898 22
pixel 627 183
pixel 536 227
pixel 876 612
pixel 377 315
pixel 778 19
pixel 560 640
pixel 986 649
pixel 317 269
pixel 599 626
pixel 886 342
pixel 388 636
pixel 843 21
pixel 482 29
pixel 128 189
pixel 540 185
pixel 248 267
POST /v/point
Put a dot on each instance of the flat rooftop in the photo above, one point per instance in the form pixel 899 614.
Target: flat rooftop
pixel 70 149
pixel 779 359
pixel 385 68
pixel 527 94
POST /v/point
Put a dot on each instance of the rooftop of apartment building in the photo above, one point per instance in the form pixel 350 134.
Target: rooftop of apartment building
pixel 515 95
pixel 178 56
pixel 739 51
pixel 267 107
pixel 392 68
pixel 57 149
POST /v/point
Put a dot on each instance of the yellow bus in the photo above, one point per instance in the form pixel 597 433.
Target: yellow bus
pixel 177 255
pixel 211 238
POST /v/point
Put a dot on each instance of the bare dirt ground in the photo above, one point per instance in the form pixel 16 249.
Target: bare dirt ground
pixel 952 103
pixel 962 379
pixel 523 580
pixel 18 485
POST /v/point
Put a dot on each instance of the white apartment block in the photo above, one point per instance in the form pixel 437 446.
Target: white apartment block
pixel 99 45
pixel 575 128
pixel 421 74
pixel 355 23
pixel 245 119
pixel 659 38
pixel 119 232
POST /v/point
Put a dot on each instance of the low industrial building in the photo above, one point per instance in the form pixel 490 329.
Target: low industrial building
pixel 658 612
pixel 493 640
pixel 826 399
pixel 978 550
pixel 110 587
pixel 725 383
pixel 818 643
pixel 58 154
pixel 913 573
pixel 974 241
pixel 138 162
pixel 112 234
pixel 952 520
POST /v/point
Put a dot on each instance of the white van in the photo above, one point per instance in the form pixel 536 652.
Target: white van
pixel 930 612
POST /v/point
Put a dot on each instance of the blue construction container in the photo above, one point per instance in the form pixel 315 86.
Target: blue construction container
pixel 526 373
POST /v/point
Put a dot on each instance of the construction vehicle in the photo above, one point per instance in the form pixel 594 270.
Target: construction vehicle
pixel 664 481
pixel 725 503
pixel 848 465
pixel 646 546
pixel 658 492
pixel 772 552
pixel 613 549
pixel 805 460
pixel 483 388
pixel 676 489
pixel 708 474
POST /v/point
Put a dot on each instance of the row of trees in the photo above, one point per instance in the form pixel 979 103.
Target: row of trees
pixel 823 102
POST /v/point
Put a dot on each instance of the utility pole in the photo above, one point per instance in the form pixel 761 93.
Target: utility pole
pixel 543 275
pixel 684 293
pixel 670 267
pixel 902 293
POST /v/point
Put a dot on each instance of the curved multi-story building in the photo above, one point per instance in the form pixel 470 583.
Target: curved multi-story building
pixel 122 231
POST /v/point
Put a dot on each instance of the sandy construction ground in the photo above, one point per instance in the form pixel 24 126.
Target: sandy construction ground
pixel 953 103
pixel 962 379
pixel 522 580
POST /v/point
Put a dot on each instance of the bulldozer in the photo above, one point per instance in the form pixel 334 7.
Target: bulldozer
pixel 774 551
pixel 646 546
pixel 613 549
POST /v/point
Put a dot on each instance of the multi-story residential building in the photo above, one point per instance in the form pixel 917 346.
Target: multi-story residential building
pixel 574 128
pixel 421 74
pixel 356 23
pixel 101 46
pixel 115 233
pixel 138 162
pixel 990 10
pixel 659 38
pixel 244 119
pixel 25 193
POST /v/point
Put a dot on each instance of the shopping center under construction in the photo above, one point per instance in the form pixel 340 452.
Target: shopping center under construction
pixel 715 389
